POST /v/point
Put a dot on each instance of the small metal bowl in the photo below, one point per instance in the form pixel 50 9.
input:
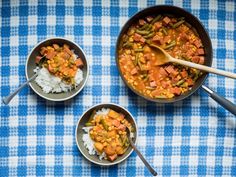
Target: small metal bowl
pixel 191 20
pixel 79 134
pixel 30 66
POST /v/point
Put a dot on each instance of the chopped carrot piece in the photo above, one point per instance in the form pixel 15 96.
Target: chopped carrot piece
pixel 116 123
pixel 66 49
pixel 190 82
pixel 201 60
pixel 79 62
pixel 50 55
pixel 56 46
pixel 134 71
pixel 166 20
pixel 112 157
pixel 37 59
pixel 158 25
pixel 153 84
pixel 176 90
pixel 163 72
pixel 195 59
pixel 142 22
pixel 200 51
pixel 137 37
pixel 184 74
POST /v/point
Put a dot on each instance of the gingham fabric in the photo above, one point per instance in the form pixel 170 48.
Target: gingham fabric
pixel 194 137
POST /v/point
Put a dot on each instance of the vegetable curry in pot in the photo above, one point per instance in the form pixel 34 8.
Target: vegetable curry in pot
pixel 137 59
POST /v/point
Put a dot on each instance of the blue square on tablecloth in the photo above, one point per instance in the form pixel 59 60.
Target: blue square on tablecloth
pixel 4 131
pixel 201 170
pixel 40 170
pixel 6 11
pixel 22 151
pixel 184 170
pixel 5 31
pixel 233 170
pixel 41 30
pixel 166 170
pixel 218 170
pixel 131 171
pixel 5 52
pixel 59 130
pixel 97 70
pixel 4 151
pixel 186 131
pixel 114 31
pixel 22 170
pixel 23 50
pixel 114 11
pixel 5 111
pixel 203 131
pixel 76 171
pixel 60 10
pixel 78 30
pixel 114 90
pixel 219 151
pixel 22 110
pixel 41 130
pixel 58 150
pixel 40 150
pixel 168 131
pixel 23 30
pixel 97 50
pixel 58 170
pixel 167 151
pixel 150 130
pixel 22 130
pixel 185 150
pixel 220 132
pixel 97 90
pixel 5 71
pixel 42 10
pixel 23 11
pixel 4 170
pixel 202 150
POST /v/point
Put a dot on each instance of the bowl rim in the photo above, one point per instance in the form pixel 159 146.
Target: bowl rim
pixel 157 100
pixel 61 99
pixel 77 126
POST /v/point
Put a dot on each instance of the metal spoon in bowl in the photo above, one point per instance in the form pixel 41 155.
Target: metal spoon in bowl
pixel 164 57
pixel 6 100
pixel 154 173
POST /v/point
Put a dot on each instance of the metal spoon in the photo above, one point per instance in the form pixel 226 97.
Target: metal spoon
pixel 154 173
pixel 164 57
pixel 6 100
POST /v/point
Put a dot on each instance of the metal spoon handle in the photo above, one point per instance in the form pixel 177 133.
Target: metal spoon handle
pixel 221 100
pixel 7 99
pixel 154 173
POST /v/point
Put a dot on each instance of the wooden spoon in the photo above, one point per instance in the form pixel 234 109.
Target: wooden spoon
pixel 163 57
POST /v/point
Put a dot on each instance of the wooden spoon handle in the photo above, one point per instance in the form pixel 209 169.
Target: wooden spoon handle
pixel 204 68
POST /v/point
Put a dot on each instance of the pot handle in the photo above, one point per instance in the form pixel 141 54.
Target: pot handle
pixel 221 100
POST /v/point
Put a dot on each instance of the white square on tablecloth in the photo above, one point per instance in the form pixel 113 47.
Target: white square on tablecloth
pixel 49 160
pixel 49 140
pixel 14 40
pixel 123 100
pixel 106 99
pixel 211 141
pixel 106 21
pixel 67 160
pixel 13 161
pixel 106 41
pixel 193 160
pixel 69 20
pixel 175 161
pixel 230 6
pixel 213 24
pixel 159 140
pixel 14 60
pixel 194 141
pixel 31 160
pixel 32 120
pixel 210 160
pixel 229 142
pixel 32 20
pixel 14 21
pixel 13 141
pixel 227 161
pixel 229 26
pixel 229 44
pixel 87 100
pixel 68 140
pixel 31 140
pixel 88 40
pixel 51 20
pixel 88 21
pixel 32 40
pixel 13 121
pixel 69 3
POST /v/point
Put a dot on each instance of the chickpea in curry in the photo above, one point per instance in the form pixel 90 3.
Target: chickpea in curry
pixel 137 59
pixel 109 133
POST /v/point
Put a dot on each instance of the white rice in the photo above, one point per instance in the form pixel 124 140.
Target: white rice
pixel 88 142
pixel 52 84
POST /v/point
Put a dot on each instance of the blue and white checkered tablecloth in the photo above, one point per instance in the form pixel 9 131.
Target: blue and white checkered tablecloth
pixel 194 137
